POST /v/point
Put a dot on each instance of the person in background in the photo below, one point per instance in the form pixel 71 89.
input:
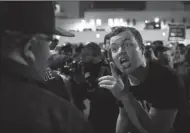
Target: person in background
pixel 26 105
pixel 149 53
pixel 56 80
pixel 161 53
pixel 103 106
pixel 137 82
pixel 183 117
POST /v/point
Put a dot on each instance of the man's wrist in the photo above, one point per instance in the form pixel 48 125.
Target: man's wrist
pixel 126 97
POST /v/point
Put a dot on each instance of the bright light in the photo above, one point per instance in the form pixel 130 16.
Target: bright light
pixel 121 20
pixel 148 43
pixel 163 33
pixel 156 20
pixel 97 35
pixel 116 22
pixel 92 22
pixel 124 24
pixel 80 26
pixel 146 21
pixel 157 25
pixel 98 22
pixel 110 22
pixel 57 37
pixel 83 21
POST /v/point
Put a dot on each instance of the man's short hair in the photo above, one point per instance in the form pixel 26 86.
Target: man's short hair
pixel 95 48
pixel 120 29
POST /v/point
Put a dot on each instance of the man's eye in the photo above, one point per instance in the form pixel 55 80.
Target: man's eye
pixel 114 49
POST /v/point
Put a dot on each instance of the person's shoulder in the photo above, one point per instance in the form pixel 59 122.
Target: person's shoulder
pixel 168 88
pixel 161 70
pixel 43 110
pixel 62 112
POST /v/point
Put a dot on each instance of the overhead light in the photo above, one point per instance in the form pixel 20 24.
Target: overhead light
pixel 156 20
pixel 98 22
pixel 148 43
pixel 97 35
pixel 110 22
pixel 83 21
pixel 121 20
pixel 157 25
pixel 164 33
pixel 146 21
pixel 92 22
pixel 116 22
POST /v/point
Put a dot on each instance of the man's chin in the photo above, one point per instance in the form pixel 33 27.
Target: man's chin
pixel 127 70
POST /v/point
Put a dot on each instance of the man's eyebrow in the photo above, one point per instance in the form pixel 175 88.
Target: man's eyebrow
pixel 126 39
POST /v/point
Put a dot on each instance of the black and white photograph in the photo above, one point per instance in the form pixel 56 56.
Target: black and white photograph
pixel 97 66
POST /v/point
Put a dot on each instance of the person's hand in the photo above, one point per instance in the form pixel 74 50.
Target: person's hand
pixel 113 83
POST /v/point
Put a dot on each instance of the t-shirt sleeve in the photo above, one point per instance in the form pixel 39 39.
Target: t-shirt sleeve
pixel 171 94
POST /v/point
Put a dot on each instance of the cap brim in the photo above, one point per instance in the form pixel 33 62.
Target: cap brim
pixel 62 32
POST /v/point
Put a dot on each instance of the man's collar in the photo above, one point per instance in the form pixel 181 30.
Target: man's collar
pixel 11 67
pixel 141 73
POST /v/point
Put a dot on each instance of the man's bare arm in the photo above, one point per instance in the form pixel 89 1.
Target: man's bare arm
pixel 155 121
pixel 122 122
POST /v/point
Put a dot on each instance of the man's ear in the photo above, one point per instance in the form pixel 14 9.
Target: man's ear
pixel 27 50
pixel 143 50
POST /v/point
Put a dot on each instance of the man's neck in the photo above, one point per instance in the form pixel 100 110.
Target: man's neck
pixel 139 75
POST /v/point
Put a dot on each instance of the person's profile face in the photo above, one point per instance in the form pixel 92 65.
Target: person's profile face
pixel 126 52
pixel 41 51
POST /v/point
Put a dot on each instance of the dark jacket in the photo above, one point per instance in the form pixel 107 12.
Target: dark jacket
pixel 58 84
pixel 27 107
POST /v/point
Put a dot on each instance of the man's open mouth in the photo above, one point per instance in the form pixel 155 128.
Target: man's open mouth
pixel 124 62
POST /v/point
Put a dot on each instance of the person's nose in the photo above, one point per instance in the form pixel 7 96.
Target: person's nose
pixel 122 49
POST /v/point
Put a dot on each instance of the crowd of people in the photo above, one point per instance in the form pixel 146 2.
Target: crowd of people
pixel 124 87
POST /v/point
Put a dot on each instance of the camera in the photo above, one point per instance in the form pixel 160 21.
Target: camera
pixel 73 67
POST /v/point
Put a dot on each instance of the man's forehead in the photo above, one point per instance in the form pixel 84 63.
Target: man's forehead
pixel 121 36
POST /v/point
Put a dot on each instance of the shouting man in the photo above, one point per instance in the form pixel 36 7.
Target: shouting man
pixel 150 93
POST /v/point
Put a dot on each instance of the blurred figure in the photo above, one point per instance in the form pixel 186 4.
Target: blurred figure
pixel 149 53
pixel 187 76
pixel 78 50
pixel 103 106
pixel 26 104
pixel 182 48
pixel 66 49
pixel 161 53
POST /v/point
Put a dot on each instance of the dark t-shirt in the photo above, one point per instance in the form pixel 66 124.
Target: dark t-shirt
pixel 162 89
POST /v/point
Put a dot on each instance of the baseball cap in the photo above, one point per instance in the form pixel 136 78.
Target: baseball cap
pixel 31 17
